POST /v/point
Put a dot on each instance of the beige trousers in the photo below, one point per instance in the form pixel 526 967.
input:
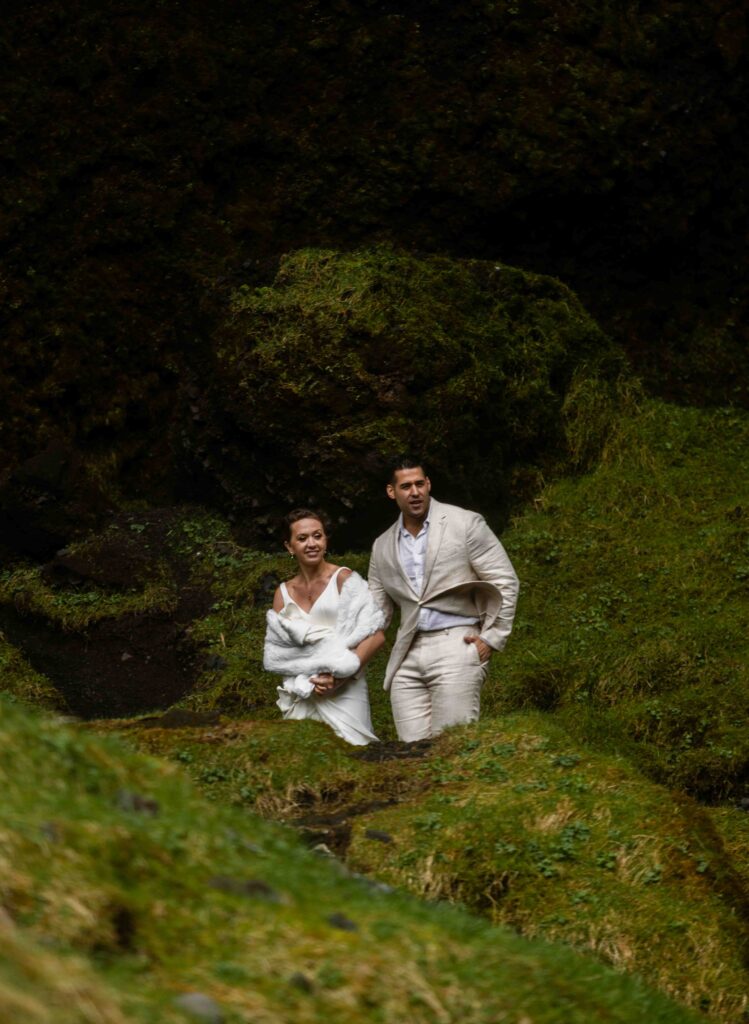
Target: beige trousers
pixel 438 684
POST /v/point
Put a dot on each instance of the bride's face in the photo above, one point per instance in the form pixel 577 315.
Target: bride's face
pixel 308 542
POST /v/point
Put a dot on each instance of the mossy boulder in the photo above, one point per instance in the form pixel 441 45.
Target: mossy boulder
pixel 350 358
pixel 123 890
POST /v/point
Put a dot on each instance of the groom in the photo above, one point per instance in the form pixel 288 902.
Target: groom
pixel 456 590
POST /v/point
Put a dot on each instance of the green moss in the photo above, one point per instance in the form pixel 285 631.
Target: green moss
pixel 114 858
pixel 514 820
pixel 561 145
pixel 732 824
pixel 632 622
pixel 633 619
pixel 136 564
pixel 272 767
pixel 74 609
pixel 37 985
pixel 517 822
pixel 377 351
pixel 19 681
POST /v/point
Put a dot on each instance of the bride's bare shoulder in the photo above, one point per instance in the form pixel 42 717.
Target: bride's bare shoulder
pixel 343 575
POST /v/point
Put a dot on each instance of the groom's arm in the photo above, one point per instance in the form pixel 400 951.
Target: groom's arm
pixel 491 563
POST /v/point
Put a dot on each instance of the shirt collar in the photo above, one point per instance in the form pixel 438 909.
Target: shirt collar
pixel 407 533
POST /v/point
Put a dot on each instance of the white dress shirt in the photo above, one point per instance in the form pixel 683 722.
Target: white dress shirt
pixel 412 552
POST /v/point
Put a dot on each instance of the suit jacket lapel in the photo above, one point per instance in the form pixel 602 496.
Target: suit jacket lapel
pixel 437 519
pixel 395 556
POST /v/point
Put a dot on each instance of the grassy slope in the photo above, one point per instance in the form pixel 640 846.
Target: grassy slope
pixel 122 888
pixel 19 680
pixel 632 632
pixel 633 623
pixel 634 619
pixel 516 821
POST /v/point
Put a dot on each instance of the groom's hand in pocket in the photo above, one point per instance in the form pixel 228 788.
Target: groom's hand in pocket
pixel 483 649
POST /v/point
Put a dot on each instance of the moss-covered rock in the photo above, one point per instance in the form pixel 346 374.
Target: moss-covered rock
pixel 113 861
pixel 350 358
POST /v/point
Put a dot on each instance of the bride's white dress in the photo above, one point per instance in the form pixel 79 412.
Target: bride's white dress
pixel 347 710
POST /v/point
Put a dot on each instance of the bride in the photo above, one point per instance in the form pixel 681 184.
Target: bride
pixel 322 630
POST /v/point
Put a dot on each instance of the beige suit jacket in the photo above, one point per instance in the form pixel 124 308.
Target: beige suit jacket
pixel 467 572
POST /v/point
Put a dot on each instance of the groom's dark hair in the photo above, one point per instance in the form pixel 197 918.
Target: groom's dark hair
pixel 405 461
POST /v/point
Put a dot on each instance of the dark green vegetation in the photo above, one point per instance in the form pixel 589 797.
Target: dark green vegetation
pixel 627 671
pixel 245 257
pixel 634 624
pixel 157 155
pixel 122 890
pixel 632 627
pixel 316 382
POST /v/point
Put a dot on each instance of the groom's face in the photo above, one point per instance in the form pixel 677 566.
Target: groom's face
pixel 410 491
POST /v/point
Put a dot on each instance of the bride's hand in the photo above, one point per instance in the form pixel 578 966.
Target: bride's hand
pixel 324 684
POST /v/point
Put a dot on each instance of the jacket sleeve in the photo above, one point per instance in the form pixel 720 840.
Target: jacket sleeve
pixel 382 598
pixel 490 562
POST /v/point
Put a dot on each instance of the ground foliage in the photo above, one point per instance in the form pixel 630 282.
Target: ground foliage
pixel 634 619
pixel 632 624
pixel 108 619
pixel 124 890
pixel 158 154
pixel 631 636
pixel 514 820
pixel 159 160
